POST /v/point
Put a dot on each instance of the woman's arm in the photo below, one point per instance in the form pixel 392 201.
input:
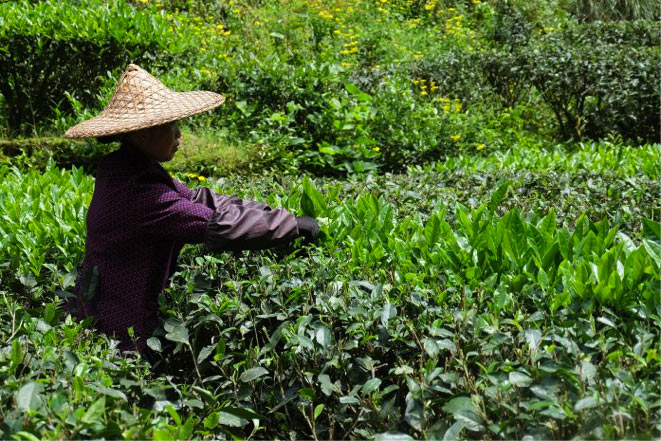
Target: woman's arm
pixel 213 200
pixel 230 224
pixel 239 227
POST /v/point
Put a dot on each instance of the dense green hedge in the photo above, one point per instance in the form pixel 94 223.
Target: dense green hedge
pixel 39 152
pixel 600 78
pixel 55 54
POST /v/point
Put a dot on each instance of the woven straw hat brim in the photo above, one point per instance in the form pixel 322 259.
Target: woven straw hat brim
pixel 110 123
pixel 141 101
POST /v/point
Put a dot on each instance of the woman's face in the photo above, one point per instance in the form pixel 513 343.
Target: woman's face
pixel 160 143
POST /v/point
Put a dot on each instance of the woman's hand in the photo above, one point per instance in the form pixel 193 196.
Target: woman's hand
pixel 308 228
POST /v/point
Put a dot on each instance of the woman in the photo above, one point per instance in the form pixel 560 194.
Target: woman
pixel 140 217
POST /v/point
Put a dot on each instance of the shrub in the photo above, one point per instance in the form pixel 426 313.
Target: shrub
pixel 50 48
pixel 509 28
pixel 505 73
pixel 410 128
pixel 591 10
pixel 37 153
pixel 599 79
pixel 538 315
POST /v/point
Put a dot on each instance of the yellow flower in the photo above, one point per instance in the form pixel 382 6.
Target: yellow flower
pixel 423 93
pixel 191 175
pixel 376 149
pixel 219 27
pixel 480 147
pixel 201 178
pixel 456 138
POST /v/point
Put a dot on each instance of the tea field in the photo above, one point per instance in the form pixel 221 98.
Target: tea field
pixel 511 295
pixel 486 174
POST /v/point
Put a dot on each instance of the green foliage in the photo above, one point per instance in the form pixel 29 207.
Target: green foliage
pixel 609 158
pixel 337 88
pixel 471 298
pixel 607 82
pixel 212 154
pixel 42 232
pixel 39 152
pixel 61 380
pixel 55 54
pixel 498 288
pixel 590 10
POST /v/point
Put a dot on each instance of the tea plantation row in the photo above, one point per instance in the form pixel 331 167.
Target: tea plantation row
pixel 502 296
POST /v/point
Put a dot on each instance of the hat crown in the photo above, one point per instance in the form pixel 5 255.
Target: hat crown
pixel 137 92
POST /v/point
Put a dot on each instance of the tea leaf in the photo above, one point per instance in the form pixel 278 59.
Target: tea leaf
pixel 252 374
pixel 29 397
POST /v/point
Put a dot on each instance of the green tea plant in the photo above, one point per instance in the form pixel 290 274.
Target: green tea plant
pixel 605 62
pixel 364 341
pixel 495 295
pixel 37 153
pixel 59 379
pixel 53 50
pixel 43 231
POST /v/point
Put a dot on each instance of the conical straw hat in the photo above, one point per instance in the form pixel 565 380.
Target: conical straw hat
pixel 141 101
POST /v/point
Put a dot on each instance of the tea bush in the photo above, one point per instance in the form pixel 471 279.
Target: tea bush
pixel 59 379
pixel 42 213
pixel 500 287
pixel 39 152
pixel 606 83
pixel 51 50
pixel 470 298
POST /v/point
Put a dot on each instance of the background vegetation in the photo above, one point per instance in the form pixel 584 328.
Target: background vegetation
pixel 486 175
pixel 341 87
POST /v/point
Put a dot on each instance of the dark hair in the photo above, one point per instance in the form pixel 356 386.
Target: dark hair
pixel 109 139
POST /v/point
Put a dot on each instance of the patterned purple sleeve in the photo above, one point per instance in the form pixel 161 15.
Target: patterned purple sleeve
pixel 183 190
pixel 165 213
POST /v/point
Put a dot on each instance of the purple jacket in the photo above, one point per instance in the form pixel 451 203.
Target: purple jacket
pixel 137 223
